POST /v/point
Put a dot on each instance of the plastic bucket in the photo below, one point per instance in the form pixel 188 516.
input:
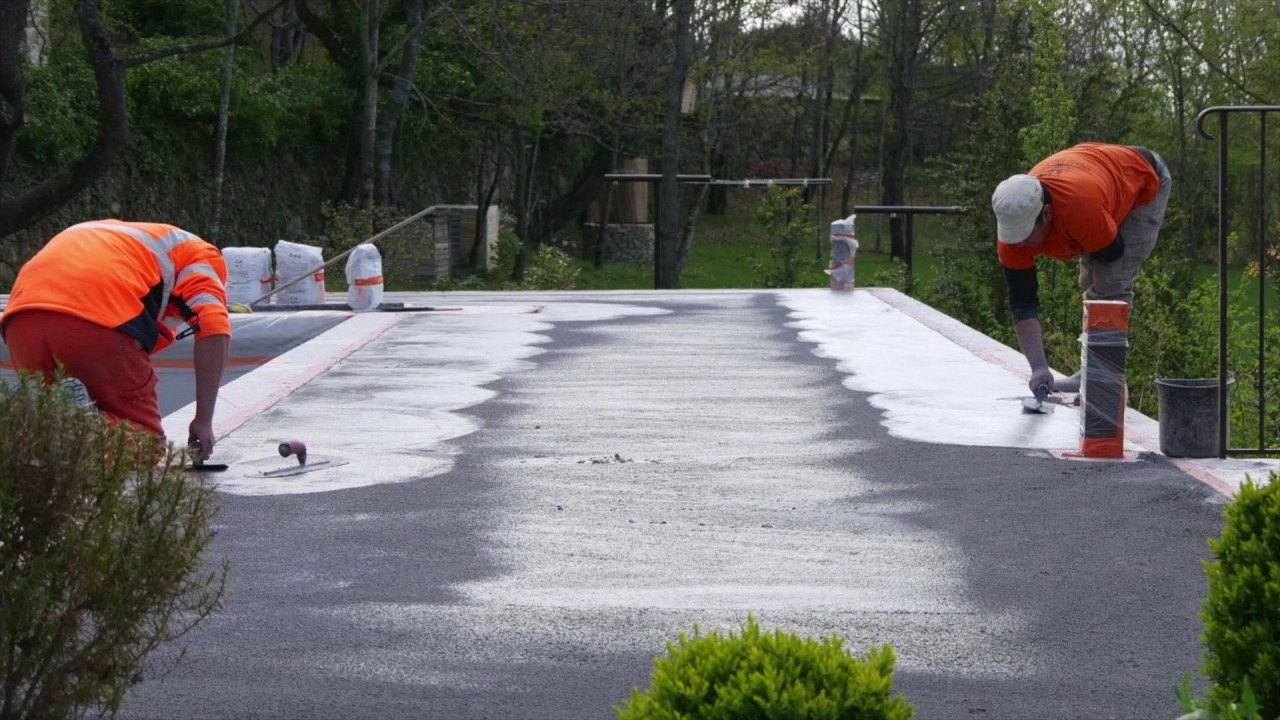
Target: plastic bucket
pixel 1189 416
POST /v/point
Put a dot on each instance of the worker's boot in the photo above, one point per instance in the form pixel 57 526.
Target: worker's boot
pixel 1068 384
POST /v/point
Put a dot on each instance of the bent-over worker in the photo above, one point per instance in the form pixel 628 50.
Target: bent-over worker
pixel 95 299
pixel 1101 203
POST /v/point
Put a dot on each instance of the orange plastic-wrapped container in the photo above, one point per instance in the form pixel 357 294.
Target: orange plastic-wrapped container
pixel 1104 390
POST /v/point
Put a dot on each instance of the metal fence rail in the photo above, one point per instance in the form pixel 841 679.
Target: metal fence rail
pixel 654 179
pixel 1224 416
pixel 908 212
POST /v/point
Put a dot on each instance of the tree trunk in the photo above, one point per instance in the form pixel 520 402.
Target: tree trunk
pixel 397 99
pixel 370 26
pixel 902 20
pixel 286 38
pixel 13 24
pixel 718 195
pixel 602 236
pixel 796 114
pixel 553 216
pixel 525 161
pixel 691 223
pixel 224 117
pixel 486 188
pixel 113 133
pixel 667 235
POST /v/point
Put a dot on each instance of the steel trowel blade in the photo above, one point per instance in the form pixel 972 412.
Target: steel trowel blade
pixel 1036 407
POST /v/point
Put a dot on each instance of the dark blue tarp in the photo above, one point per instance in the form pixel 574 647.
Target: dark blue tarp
pixel 255 339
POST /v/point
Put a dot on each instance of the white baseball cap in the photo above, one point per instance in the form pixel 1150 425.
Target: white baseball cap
pixel 1017 203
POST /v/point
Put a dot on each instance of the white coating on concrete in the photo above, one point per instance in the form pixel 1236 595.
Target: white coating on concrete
pixel 386 402
pixel 675 505
pixel 935 380
pixel 940 381
pixel 930 388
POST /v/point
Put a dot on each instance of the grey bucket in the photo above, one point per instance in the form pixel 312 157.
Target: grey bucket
pixel 1189 416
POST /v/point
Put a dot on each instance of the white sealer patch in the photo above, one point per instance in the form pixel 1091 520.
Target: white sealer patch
pixel 381 390
pixel 930 388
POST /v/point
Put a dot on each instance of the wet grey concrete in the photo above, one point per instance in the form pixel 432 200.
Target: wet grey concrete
pixel 647 474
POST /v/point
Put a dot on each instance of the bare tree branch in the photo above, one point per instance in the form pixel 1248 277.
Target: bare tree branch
pixel 201 47
pixel 1231 80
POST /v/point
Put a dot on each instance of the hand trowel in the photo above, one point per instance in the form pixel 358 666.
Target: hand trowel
pixel 199 465
pixel 1036 404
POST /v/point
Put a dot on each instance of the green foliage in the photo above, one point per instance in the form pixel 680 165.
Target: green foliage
pixel 1173 328
pixel 101 538
pixel 790 225
pixel 1061 313
pixel 973 288
pixel 894 275
pixel 1049 99
pixel 1242 610
pixel 767 675
pixel 165 19
pixel 405 253
pixel 175 102
pixel 551 269
pixel 62 113
pixel 508 250
pixel 1246 708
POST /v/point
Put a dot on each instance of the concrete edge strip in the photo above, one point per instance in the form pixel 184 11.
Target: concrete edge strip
pixel 1006 357
pixel 257 391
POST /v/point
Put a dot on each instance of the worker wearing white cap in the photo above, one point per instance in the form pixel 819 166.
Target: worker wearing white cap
pixel 1102 204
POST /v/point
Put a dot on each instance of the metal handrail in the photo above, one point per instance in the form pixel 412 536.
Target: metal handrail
pixel 909 232
pixel 373 239
pixel 1224 417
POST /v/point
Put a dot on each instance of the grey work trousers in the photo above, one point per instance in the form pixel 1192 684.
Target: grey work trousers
pixel 1115 280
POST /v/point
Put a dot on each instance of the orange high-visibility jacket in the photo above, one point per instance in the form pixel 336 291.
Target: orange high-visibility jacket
pixel 128 276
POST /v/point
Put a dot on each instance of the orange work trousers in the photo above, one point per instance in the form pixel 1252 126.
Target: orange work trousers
pixel 115 370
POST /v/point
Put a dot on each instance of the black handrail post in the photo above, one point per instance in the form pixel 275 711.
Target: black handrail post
pixel 1222 285
pixel 1224 449
pixel 656 188
pixel 909 251
pixel 1262 284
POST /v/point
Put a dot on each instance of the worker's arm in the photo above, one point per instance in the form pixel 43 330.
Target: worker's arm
pixel 1031 339
pixel 210 356
pixel 200 298
pixel 1024 300
pixel 1110 253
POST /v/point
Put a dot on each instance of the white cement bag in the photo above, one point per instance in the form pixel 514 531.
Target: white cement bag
pixel 248 273
pixel 364 278
pixel 294 260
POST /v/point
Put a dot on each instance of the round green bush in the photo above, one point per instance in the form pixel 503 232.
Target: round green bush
pixel 776 675
pixel 1242 610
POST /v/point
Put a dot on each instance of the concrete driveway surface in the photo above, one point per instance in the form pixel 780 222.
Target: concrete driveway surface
pixel 544 489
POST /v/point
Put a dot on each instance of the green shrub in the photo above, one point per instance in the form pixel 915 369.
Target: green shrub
pixel 1246 708
pixel 789 226
pixel 551 269
pixel 508 250
pixel 100 554
pixel 759 675
pixel 1242 610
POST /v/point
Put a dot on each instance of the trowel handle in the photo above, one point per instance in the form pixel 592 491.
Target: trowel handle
pixel 1041 393
pixel 294 447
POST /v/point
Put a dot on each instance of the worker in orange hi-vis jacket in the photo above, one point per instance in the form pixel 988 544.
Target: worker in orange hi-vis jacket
pixel 95 299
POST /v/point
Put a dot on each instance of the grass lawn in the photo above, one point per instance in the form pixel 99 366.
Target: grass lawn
pixel 733 252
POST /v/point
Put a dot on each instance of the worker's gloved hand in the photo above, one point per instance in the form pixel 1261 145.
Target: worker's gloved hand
pixel 201 431
pixel 1041 379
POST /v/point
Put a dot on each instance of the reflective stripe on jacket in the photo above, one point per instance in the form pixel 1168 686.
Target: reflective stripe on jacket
pixel 128 276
